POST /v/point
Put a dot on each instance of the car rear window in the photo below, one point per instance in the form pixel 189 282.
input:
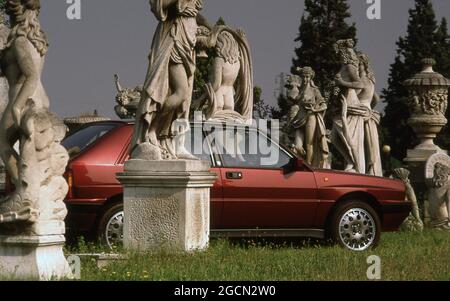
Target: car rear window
pixel 80 140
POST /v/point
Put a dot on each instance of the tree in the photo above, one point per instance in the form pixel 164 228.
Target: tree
pixel 424 38
pixel 261 110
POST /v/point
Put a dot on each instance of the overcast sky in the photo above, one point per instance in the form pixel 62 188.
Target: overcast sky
pixel 114 36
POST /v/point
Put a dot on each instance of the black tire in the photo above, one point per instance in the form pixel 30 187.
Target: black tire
pixel 355 225
pixel 110 226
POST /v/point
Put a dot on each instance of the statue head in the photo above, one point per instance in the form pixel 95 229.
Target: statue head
pixel 441 175
pixel 25 23
pixel 345 50
pixel 365 67
pixel 293 84
pixel 307 75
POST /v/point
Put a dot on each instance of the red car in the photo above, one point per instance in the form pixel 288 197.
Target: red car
pixel 261 190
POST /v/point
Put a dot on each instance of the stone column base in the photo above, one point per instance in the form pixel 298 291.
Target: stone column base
pixel 33 258
pixel 166 205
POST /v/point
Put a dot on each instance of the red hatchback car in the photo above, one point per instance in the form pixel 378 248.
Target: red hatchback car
pixel 262 190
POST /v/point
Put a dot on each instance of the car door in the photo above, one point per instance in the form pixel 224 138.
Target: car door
pixel 257 193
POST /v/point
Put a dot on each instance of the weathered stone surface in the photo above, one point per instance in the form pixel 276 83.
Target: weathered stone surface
pixel 166 205
pixel 228 96
pixel 355 124
pixel 437 172
pixel 167 92
pixel 33 258
pixel 306 124
pixel 428 101
pixel 32 217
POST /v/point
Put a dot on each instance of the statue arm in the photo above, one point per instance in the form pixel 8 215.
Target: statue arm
pixel 30 74
pixel 354 81
pixel 376 99
pixel 216 73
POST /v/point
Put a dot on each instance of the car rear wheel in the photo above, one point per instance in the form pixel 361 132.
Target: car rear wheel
pixel 356 226
pixel 110 229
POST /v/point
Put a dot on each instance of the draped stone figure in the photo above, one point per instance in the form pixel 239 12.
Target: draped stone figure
pixel 306 118
pixel 4 33
pixel 368 99
pixel 167 90
pixel 229 92
pixel 37 170
pixel 348 124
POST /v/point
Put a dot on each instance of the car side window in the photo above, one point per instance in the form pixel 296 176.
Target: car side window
pixel 244 147
pixel 195 143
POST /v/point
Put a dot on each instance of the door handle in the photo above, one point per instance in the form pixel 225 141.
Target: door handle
pixel 234 175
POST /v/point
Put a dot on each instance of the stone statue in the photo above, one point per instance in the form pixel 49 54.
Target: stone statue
pixel 437 172
pixel 232 68
pixel 4 33
pixel 168 87
pixel 413 222
pixel 306 118
pixel 355 129
pixel 37 170
pixel 127 100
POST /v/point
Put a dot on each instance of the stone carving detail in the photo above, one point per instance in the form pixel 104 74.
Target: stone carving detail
pixel 37 170
pixel 413 222
pixel 232 68
pixel 4 33
pixel 437 172
pixel 306 118
pixel 167 92
pixel 127 100
pixel 428 102
pixel 355 123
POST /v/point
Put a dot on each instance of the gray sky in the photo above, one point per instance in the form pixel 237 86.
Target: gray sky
pixel 114 36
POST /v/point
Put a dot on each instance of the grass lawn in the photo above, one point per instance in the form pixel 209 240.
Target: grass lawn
pixel 404 256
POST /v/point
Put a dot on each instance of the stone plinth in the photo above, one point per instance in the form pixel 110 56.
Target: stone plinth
pixel 166 205
pixel 33 258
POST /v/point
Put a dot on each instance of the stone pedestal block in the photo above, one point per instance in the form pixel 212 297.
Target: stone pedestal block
pixel 33 258
pixel 166 205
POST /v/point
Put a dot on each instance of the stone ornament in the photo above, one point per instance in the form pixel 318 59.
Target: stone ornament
pixel 32 217
pixel 229 93
pixel 37 170
pixel 127 100
pixel 437 172
pixel 355 122
pixel 306 118
pixel 167 91
pixel 428 100
pixel 4 33
pixel 413 222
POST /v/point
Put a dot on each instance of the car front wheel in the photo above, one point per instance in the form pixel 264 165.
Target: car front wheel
pixel 356 226
pixel 110 229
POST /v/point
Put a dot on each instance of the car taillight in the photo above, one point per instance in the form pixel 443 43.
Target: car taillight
pixel 69 178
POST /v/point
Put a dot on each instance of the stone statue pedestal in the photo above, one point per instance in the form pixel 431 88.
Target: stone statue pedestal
pixel 166 205
pixel 33 258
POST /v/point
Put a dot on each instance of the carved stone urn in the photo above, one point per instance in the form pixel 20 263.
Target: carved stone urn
pixel 428 99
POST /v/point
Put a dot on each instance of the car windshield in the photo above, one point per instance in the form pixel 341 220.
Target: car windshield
pixel 80 140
